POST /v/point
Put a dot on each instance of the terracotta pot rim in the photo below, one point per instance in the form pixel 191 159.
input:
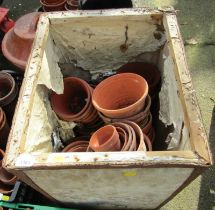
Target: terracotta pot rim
pixel 2 154
pixel 75 143
pixel 1 116
pixel 4 121
pixel 53 4
pixel 13 91
pixel 69 9
pixel 138 131
pixel 114 111
pixel 17 62
pixel 11 181
pixel 6 192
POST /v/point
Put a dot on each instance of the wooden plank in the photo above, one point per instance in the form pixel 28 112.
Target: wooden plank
pixel 198 136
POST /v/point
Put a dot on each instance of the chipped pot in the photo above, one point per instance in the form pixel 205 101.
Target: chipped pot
pixel 121 95
pixel 8 94
pixel 75 103
pixel 17 42
pixel 105 139
pixel 149 71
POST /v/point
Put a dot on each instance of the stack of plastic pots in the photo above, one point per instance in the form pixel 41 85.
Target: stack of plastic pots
pixel 7 180
pixel 124 97
pixel 4 129
pixel 72 5
pixel 75 104
pixel 53 5
pixel 119 136
pixel 17 42
pixel 8 94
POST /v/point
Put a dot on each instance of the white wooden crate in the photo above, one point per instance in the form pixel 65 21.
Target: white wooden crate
pixel 96 41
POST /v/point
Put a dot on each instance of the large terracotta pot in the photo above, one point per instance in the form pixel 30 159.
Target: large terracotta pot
pixel 149 71
pixel 121 95
pixel 105 139
pixel 75 103
pixel 17 43
pixel 8 94
pixel 4 129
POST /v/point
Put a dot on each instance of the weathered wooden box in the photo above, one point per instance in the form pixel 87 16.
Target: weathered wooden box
pixel 96 41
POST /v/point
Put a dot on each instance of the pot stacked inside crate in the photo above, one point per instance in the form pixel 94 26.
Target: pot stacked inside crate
pixel 121 102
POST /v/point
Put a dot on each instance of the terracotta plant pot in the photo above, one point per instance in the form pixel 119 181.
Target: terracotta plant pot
pixel 49 7
pixel 17 43
pixel 148 143
pixel 151 135
pixel 105 139
pixel 8 94
pixel 75 103
pixel 4 129
pixel 77 146
pixel 149 71
pixel 121 95
pixel 139 118
pixel 6 177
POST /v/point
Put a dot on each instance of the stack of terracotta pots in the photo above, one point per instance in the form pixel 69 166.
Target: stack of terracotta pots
pixel 71 5
pixel 124 97
pixel 53 5
pixel 8 94
pixel 4 129
pixel 7 180
pixel 17 42
pixel 75 104
pixel 120 136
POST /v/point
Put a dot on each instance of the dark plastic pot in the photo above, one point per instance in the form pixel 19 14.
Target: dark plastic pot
pixel 17 43
pixel 8 94
pixel 121 95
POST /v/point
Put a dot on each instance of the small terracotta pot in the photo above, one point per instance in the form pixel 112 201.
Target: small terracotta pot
pixel 4 129
pixel 77 146
pixel 75 103
pixel 49 7
pixel 6 177
pixel 105 139
pixel 139 118
pixel 121 95
pixel 17 42
pixel 122 136
pixel 149 71
pixel 8 94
